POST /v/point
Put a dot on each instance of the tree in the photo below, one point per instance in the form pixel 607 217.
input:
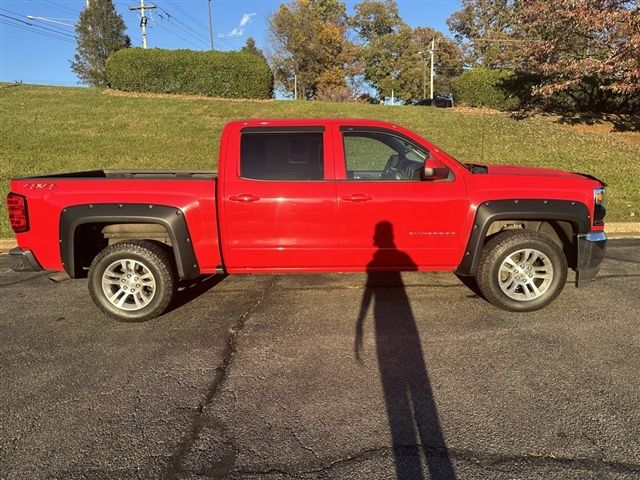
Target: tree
pixel 590 44
pixel 388 55
pixel 395 56
pixel 310 46
pixel 392 64
pixel 100 31
pixel 375 18
pixel 486 30
pixel 251 47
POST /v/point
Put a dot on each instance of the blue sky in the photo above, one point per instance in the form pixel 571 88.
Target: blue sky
pixel 44 58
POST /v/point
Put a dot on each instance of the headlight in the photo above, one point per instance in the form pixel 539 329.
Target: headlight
pixel 599 206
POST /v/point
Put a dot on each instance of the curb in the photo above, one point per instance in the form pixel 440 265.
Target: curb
pixel 7 244
pixel 622 227
pixel 615 231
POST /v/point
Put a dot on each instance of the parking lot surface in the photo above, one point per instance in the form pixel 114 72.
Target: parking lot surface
pixel 327 376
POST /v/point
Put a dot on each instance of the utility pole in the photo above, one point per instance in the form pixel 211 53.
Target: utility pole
pixel 424 75
pixel 431 51
pixel 210 26
pixel 143 20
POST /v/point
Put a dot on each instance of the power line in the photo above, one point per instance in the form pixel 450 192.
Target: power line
pixel 198 23
pixel 179 24
pixel 188 15
pixel 60 7
pixel 19 19
pixel 506 40
pixel 157 24
pixel 182 25
pixel 33 25
pixel 228 43
pixel 50 35
pixel 133 35
pixel 57 7
pixel 16 40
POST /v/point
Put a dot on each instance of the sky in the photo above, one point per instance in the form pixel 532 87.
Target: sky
pixel 40 50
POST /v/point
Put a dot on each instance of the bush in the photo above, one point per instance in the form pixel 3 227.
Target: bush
pixel 486 87
pixel 216 74
pixel 506 90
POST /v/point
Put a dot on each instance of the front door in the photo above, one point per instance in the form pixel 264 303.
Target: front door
pixel 280 212
pixel 389 217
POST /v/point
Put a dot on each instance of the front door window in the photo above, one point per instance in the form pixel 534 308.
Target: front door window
pixel 381 156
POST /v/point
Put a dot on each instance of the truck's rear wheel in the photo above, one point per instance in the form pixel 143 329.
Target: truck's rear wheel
pixel 521 270
pixel 133 280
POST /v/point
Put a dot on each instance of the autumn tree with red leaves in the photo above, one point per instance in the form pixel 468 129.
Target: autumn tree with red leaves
pixel 487 31
pixel 573 41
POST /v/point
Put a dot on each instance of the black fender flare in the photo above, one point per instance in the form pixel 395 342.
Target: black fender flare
pixel 576 213
pixel 171 218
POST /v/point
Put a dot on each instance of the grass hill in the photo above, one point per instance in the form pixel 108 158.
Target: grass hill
pixel 53 129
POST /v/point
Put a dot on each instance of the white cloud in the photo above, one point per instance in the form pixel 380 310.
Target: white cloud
pixel 246 18
pixel 239 30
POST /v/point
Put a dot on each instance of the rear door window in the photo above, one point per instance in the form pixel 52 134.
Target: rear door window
pixel 268 154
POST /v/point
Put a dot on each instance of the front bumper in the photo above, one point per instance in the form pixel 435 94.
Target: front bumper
pixel 27 261
pixel 591 249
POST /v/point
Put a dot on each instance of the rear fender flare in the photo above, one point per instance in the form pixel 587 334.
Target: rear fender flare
pixel 171 218
pixel 575 213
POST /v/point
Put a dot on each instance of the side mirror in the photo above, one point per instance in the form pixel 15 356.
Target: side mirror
pixel 435 170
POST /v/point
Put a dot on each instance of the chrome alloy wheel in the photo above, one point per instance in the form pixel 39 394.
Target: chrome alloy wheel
pixel 525 274
pixel 128 284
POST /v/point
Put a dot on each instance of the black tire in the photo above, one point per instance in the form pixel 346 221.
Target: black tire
pixel 141 257
pixel 503 246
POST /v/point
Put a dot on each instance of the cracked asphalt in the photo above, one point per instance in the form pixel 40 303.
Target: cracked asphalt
pixel 283 377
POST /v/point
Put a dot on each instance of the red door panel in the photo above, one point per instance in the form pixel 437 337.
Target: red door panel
pixel 292 228
pixel 425 218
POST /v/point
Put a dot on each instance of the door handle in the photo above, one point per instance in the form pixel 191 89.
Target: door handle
pixel 243 198
pixel 358 197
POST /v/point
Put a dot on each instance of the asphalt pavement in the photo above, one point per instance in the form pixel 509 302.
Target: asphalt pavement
pixel 327 376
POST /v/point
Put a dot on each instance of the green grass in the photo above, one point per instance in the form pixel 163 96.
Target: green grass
pixel 52 129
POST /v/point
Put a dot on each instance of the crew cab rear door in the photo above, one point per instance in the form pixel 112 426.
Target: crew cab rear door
pixel 389 217
pixel 280 200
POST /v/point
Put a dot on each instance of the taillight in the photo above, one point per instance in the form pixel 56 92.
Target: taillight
pixel 18 215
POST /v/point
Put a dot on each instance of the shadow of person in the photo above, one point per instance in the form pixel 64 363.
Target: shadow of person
pixel 411 408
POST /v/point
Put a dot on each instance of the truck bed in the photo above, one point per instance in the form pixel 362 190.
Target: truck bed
pixel 51 198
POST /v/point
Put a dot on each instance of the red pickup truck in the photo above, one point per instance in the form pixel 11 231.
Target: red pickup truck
pixel 321 195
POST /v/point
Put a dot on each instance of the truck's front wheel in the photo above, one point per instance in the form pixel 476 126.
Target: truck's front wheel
pixel 521 270
pixel 132 281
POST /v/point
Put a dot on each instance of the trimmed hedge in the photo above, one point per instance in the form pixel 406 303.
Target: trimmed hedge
pixel 486 87
pixel 216 74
